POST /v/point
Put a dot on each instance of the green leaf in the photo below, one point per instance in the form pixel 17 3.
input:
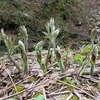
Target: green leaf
pixel 87 49
pixel 19 88
pixel 13 75
pixel 70 81
pixel 74 98
pixel 11 99
pixel 40 97
pixel 67 79
pixel 78 57
pixel 33 79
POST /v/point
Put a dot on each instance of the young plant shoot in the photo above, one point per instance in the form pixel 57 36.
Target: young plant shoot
pixel 9 43
pixel 59 60
pixel 94 53
pixel 38 50
pixel 24 36
pixel 23 55
pixel 51 35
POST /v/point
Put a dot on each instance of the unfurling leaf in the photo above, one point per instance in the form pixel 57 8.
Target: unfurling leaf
pixel 23 55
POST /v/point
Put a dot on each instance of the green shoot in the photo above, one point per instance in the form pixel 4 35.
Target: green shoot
pixel 9 43
pixel 24 36
pixel 93 59
pixel 38 50
pixel 51 35
pixel 84 65
pixel 23 55
pixel 59 60
pixel 94 53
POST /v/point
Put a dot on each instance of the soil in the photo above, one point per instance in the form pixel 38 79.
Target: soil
pixel 87 18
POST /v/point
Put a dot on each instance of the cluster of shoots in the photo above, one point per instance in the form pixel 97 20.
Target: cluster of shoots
pixel 10 44
pixel 53 52
pixel 93 55
pixel 51 36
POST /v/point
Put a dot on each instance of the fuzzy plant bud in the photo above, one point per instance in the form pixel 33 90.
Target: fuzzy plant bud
pixel 23 32
pixel 24 36
pixel 21 45
pixel 23 55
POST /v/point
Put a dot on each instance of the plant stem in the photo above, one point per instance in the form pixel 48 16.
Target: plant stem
pixel 26 44
pixel 61 65
pixel 60 62
pixel 84 67
pixel 12 60
pixel 25 61
pixel 48 54
pixel 92 69
pixel 25 64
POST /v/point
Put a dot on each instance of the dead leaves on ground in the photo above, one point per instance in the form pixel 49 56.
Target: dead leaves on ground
pixel 24 86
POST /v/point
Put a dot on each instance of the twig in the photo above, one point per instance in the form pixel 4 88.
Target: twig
pixel 62 89
pixel 18 82
pixel 72 71
pixel 87 61
pixel 70 96
pixel 10 78
pixel 53 94
pixel 14 94
pixel 45 98
pixel 33 85
pixel 19 92
pixel 77 88
pixel 77 94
